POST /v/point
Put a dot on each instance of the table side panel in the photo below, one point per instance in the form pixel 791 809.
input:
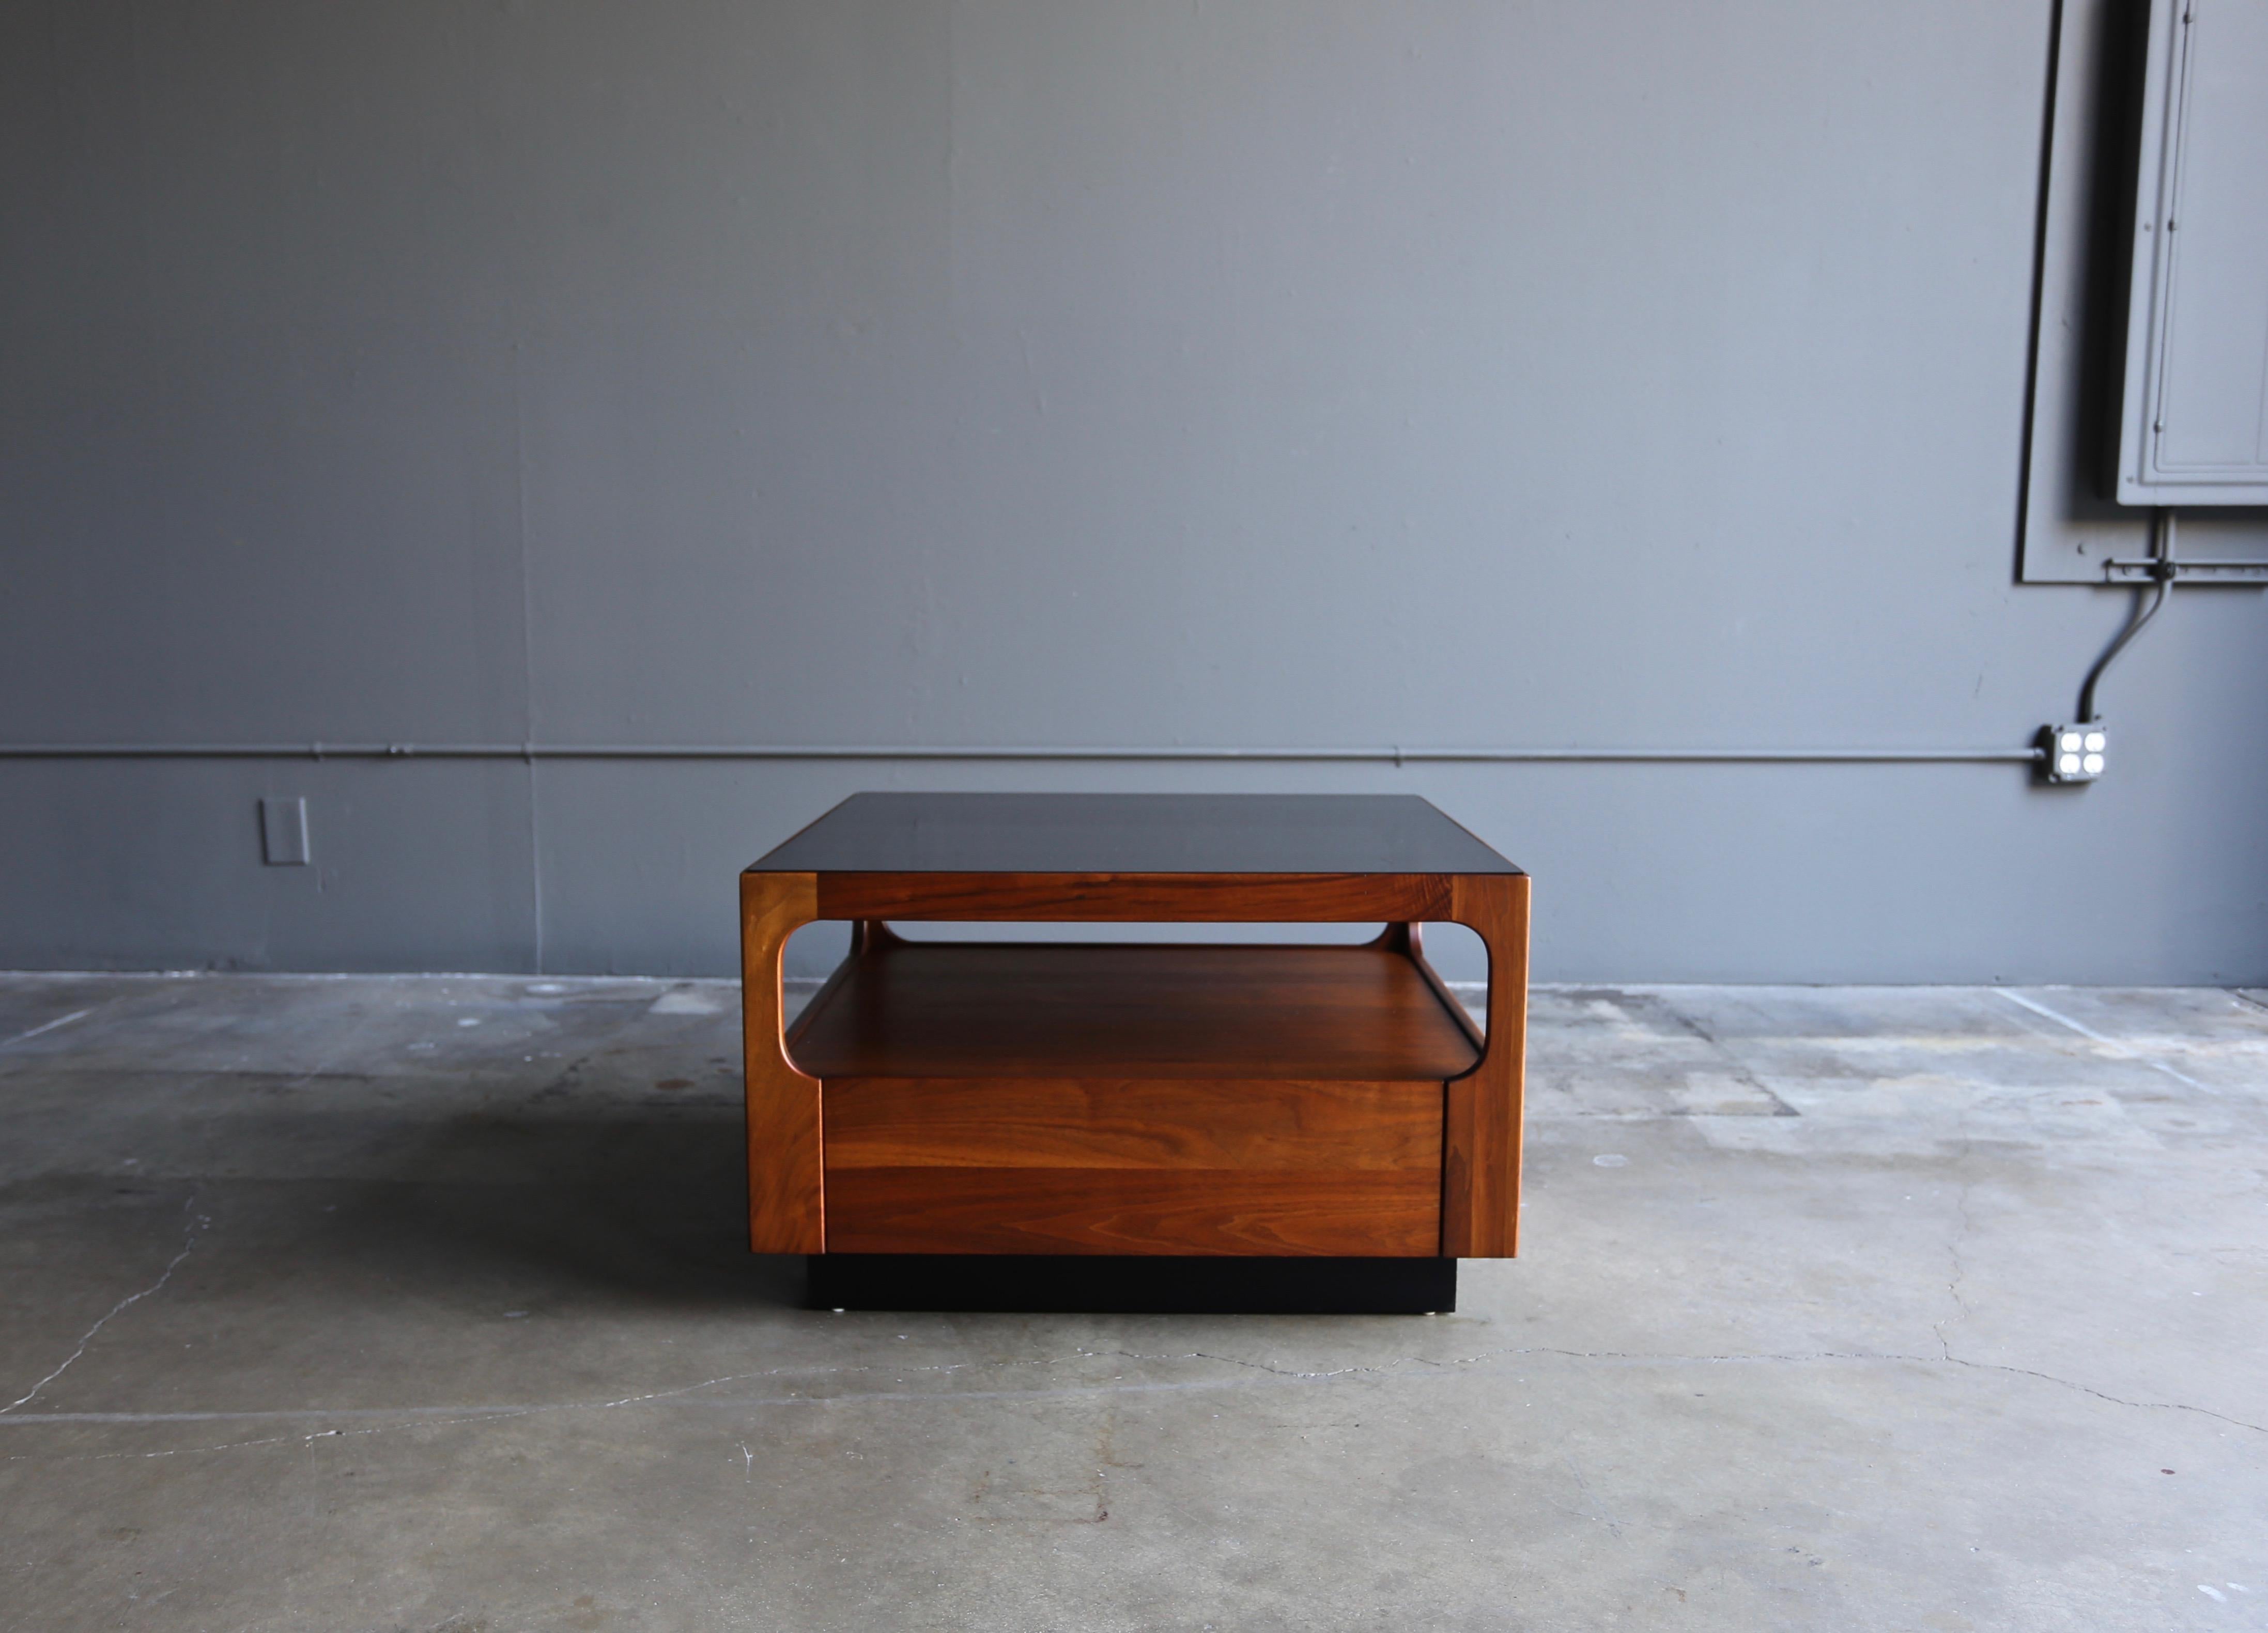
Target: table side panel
pixel 1480 1205
pixel 786 1182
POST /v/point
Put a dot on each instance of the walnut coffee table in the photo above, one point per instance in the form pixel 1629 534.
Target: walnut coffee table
pixel 995 1124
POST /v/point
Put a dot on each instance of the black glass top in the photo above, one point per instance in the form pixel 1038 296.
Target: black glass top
pixel 1134 834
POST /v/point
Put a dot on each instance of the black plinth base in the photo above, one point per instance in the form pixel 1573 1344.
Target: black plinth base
pixel 1082 1283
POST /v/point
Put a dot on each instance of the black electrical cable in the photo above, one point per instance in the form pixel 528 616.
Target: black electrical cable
pixel 2161 555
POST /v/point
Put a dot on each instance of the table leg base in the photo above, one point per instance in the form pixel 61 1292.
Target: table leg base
pixel 1144 1285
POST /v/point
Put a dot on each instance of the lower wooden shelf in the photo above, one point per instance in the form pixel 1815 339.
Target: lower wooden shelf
pixel 907 1009
pixel 1138 1100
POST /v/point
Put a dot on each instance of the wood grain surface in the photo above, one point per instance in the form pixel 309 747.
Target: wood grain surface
pixel 1480 1170
pixel 1045 1123
pixel 1195 898
pixel 786 1184
pixel 1355 1211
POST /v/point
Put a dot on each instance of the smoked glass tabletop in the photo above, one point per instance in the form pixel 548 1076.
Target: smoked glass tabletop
pixel 1244 834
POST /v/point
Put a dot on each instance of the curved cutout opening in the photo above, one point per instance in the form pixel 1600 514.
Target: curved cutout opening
pixel 816 950
pixel 1453 957
pixel 1459 958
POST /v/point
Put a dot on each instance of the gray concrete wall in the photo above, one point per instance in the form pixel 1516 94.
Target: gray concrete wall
pixel 1275 372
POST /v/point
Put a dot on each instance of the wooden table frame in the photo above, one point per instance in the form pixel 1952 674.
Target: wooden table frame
pixel 1481 1129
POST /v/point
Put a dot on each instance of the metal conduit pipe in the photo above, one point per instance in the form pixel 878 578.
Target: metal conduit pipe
pixel 1388 756
pixel 2164 568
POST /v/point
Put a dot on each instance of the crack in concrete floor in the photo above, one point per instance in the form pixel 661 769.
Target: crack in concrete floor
pixel 197 1224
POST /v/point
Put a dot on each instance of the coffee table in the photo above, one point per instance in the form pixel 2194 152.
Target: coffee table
pixel 1055 1103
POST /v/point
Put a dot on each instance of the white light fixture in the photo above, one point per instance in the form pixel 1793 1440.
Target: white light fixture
pixel 2073 754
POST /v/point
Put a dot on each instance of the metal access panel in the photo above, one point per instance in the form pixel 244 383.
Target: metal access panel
pixel 2194 421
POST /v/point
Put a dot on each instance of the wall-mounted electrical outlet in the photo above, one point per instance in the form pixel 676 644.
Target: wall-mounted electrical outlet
pixel 2073 752
pixel 283 832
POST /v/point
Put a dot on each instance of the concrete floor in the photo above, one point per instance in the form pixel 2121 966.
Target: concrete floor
pixel 350 1303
